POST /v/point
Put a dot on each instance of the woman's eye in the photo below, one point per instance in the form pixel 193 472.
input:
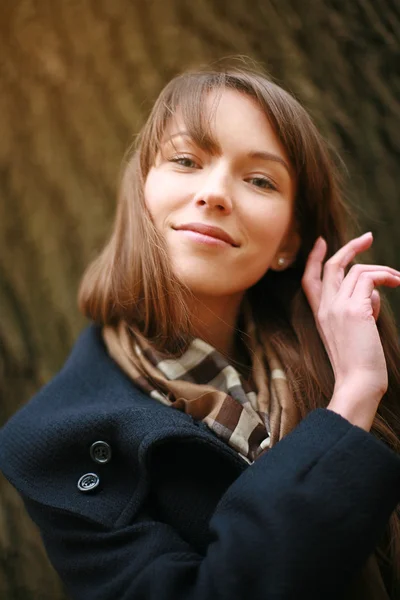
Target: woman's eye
pixel 184 161
pixel 262 182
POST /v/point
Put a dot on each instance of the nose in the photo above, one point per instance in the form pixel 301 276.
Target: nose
pixel 215 192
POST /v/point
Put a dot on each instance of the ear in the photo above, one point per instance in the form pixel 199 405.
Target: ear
pixel 287 252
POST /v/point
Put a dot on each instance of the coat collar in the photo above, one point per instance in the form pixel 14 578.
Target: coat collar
pixel 89 366
pixel 45 446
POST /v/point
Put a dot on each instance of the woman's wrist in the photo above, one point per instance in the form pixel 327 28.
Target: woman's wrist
pixel 357 406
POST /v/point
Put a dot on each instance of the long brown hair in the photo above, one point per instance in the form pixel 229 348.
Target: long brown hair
pixel 132 278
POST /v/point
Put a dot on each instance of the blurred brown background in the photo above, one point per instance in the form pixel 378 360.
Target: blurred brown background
pixel 77 78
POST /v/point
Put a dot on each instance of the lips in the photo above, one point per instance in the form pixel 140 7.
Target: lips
pixel 209 230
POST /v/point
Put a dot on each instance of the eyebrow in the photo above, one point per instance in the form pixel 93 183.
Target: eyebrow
pixel 187 134
pixel 177 134
pixel 260 154
pixel 269 156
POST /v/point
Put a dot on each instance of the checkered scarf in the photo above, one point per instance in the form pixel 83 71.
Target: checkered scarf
pixel 248 415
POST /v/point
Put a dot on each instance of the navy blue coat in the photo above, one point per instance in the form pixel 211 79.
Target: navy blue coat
pixel 177 514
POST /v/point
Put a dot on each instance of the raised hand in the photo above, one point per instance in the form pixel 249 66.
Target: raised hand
pixel 345 309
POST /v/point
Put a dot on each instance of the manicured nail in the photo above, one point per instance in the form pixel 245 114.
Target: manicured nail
pixel 368 234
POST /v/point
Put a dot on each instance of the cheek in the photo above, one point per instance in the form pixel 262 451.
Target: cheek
pixel 150 192
pixel 268 228
pixel 155 198
pixel 160 195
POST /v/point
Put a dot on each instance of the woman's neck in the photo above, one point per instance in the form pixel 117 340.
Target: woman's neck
pixel 216 323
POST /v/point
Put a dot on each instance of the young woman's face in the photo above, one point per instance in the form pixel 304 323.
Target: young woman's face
pixel 244 188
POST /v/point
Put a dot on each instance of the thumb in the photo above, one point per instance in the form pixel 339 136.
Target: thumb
pixel 376 304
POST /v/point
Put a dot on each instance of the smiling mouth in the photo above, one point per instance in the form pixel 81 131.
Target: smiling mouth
pixel 202 238
pixel 207 231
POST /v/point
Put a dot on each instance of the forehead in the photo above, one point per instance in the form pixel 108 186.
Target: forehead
pixel 212 105
pixel 224 116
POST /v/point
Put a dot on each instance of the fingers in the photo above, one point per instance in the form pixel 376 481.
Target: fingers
pixel 311 281
pixel 349 251
pixel 368 280
pixel 334 268
pixel 334 281
pixel 350 281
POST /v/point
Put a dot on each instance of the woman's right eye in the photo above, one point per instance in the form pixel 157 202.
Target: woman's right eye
pixel 184 161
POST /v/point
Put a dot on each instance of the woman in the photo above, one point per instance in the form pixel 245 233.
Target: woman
pixel 214 433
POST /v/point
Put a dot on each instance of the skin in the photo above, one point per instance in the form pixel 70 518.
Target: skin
pixel 346 309
pixel 249 197
pixel 253 200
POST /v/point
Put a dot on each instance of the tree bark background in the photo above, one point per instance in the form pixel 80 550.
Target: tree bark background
pixel 77 79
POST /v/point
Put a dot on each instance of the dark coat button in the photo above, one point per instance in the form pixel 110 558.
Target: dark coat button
pixel 100 452
pixel 88 482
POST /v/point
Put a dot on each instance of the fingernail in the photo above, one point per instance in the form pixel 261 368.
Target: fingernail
pixel 368 234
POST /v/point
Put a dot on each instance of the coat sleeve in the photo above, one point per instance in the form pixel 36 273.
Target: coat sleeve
pixel 297 523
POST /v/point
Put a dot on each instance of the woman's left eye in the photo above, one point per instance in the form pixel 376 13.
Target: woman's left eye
pixel 262 182
pixel 184 161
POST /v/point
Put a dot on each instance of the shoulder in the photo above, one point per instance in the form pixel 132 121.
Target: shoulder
pixel 47 446
pixel 90 389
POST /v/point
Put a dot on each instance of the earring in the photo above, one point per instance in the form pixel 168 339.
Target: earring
pixel 281 261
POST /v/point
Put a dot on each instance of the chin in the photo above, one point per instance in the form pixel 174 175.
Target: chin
pixel 207 286
pixel 202 277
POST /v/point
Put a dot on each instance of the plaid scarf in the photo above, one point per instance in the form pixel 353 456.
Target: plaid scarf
pixel 250 416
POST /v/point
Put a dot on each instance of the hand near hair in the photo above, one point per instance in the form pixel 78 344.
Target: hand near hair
pixel 345 309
